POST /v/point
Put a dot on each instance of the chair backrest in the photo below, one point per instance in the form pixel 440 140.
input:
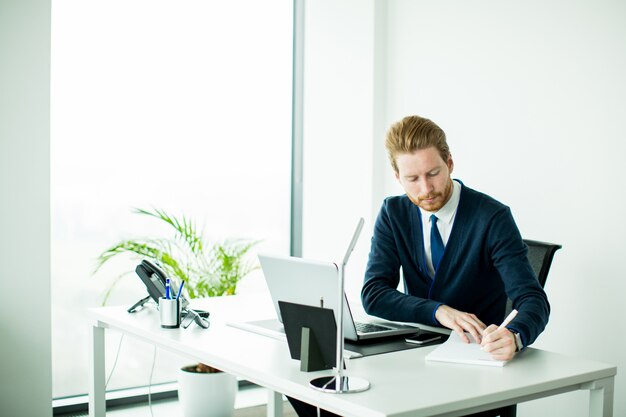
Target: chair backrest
pixel 540 255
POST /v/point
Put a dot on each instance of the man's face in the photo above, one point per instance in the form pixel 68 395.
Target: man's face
pixel 425 178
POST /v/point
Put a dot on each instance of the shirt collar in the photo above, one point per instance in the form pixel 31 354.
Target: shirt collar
pixel 447 212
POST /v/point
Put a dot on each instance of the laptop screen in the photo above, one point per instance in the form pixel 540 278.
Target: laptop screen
pixel 300 281
pixel 308 282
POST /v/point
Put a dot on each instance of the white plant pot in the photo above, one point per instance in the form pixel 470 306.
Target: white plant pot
pixel 207 394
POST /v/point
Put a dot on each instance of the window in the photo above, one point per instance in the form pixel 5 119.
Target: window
pixel 182 106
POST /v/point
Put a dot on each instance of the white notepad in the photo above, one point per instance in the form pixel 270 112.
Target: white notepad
pixel 456 350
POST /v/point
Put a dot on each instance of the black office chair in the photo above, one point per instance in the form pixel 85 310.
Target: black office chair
pixel 540 256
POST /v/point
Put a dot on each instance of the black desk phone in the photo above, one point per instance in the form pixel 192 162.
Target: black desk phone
pixel 154 279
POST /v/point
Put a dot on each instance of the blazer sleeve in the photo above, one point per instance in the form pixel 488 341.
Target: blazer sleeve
pixel 509 255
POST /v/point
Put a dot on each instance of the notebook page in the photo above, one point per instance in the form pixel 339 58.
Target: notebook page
pixel 456 350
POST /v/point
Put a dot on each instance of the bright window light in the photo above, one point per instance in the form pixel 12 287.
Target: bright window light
pixel 183 106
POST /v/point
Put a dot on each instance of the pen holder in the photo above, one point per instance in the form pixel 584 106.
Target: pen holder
pixel 169 309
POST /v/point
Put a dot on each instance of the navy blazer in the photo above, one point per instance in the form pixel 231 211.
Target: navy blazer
pixel 483 262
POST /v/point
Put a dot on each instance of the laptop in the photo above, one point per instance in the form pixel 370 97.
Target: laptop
pixel 315 283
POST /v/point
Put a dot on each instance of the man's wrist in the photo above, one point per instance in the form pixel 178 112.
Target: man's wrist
pixel 435 318
pixel 519 345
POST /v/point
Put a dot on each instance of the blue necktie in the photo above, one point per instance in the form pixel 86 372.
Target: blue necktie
pixel 436 243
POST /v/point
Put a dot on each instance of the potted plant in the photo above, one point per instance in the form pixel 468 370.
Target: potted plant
pixel 208 270
pixel 204 391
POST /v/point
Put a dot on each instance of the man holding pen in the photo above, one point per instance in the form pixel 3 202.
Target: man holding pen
pixel 459 251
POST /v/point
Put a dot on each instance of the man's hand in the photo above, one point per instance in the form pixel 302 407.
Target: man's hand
pixel 460 322
pixel 500 343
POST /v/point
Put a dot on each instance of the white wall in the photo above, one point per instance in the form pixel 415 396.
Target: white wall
pixel 532 96
pixel 25 368
pixel 338 122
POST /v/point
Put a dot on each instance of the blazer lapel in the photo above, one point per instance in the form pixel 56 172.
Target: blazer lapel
pixel 460 221
pixel 418 240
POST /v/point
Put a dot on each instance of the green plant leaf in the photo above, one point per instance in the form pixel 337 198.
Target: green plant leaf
pixel 185 228
pixel 208 270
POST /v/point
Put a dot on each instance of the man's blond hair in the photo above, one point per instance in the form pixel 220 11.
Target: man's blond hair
pixel 413 133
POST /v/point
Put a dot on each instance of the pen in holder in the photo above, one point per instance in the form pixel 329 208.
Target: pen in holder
pixel 169 309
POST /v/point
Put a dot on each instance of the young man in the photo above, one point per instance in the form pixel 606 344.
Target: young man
pixel 459 250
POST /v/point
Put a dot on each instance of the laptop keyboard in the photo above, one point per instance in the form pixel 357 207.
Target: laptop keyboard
pixel 369 328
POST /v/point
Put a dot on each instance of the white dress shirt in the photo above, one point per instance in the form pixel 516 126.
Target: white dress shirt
pixel 445 220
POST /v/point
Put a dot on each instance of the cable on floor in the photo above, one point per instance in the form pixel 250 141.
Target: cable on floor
pixel 117 355
pixel 150 381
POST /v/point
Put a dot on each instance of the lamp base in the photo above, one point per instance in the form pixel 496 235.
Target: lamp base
pixel 348 384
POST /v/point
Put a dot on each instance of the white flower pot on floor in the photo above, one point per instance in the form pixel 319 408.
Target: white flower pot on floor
pixel 207 394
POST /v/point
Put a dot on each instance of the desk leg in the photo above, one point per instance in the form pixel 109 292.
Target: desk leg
pixel 274 404
pixel 601 397
pixel 97 402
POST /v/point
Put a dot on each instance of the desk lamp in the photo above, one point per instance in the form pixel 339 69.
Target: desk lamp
pixel 346 383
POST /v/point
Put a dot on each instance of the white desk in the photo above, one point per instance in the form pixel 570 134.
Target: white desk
pixel 402 383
